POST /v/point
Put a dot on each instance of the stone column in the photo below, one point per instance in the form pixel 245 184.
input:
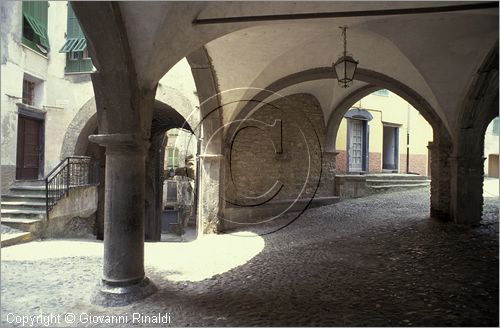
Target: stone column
pixel 467 188
pixel 327 186
pixel 123 265
pixel 154 188
pixel 440 181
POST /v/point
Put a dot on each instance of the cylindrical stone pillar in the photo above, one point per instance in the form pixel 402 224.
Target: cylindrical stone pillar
pixel 124 215
pixel 123 264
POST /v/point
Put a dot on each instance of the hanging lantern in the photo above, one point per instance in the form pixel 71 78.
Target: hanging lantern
pixel 345 66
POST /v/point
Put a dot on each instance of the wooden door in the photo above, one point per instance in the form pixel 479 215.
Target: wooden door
pixel 28 148
pixel 356 146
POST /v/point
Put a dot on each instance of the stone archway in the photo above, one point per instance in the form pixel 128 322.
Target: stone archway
pixel 84 123
pixel 479 109
pixel 440 148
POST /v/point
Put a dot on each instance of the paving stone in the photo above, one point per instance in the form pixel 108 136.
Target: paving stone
pixel 374 261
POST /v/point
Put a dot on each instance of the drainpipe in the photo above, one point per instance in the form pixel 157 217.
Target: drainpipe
pixel 408 139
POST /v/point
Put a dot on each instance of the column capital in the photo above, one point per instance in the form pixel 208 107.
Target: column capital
pixel 122 141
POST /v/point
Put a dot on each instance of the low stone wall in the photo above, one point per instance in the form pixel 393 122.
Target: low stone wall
pixel 74 216
pixel 235 217
pixel 8 176
pixel 350 186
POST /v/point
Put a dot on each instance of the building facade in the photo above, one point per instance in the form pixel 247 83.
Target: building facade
pixel 381 134
pixel 47 99
pixel 491 146
pixel 45 82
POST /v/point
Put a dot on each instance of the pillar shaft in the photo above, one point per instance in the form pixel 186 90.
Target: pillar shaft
pixel 328 170
pixel 440 181
pixel 124 215
pixel 123 278
pixel 467 189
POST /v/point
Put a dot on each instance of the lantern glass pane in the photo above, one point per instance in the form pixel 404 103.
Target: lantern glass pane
pixel 350 69
pixel 340 69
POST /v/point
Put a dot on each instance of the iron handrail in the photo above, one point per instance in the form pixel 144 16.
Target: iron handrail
pixel 73 171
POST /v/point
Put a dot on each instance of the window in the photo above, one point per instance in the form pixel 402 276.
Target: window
pixel 382 93
pixel 75 47
pixel 495 126
pixel 28 92
pixel 35 25
pixel 173 158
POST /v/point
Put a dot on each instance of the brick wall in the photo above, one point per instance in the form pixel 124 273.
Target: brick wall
pixel 341 161
pixel 418 163
pixel 375 162
pixel 255 166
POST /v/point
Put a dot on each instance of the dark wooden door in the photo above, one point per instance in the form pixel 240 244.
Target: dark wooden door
pixel 28 148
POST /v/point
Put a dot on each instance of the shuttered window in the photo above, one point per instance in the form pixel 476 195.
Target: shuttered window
pixel 75 47
pixel 173 158
pixel 35 25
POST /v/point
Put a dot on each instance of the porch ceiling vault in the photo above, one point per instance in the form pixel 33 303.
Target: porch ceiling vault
pixel 434 54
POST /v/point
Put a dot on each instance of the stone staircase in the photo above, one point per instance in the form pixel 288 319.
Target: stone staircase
pixel 23 209
pixel 384 182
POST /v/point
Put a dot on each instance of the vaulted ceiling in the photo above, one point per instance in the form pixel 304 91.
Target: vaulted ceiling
pixel 434 54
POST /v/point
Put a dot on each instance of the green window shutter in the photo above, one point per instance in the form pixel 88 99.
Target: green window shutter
pixel 75 46
pixel 35 14
pixel 74 30
pixel 80 45
pixel 68 45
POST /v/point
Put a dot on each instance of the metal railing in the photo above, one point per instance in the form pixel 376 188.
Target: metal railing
pixel 73 171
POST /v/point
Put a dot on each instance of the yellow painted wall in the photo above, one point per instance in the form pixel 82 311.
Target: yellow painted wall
pixel 341 141
pixel 394 110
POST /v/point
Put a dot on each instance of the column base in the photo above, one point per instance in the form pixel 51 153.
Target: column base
pixel 109 295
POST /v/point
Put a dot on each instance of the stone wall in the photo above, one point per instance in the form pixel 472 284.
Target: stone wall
pixel 254 167
pixel 74 215
pixel 8 175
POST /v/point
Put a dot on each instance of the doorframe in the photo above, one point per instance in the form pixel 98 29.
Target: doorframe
pixel 363 115
pixel 26 111
pixel 396 144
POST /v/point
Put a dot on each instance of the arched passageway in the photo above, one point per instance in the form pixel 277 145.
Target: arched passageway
pixel 130 62
pixel 76 142
pixel 479 109
pixel 439 149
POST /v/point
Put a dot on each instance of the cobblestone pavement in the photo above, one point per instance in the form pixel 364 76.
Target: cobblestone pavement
pixel 374 261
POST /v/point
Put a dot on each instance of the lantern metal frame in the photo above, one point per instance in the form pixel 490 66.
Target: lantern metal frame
pixel 345 60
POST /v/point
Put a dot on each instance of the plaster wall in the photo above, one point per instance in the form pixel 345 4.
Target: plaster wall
pixel 73 215
pixel 62 95
pixel 178 90
pixel 184 141
pixel 394 111
pixel 57 94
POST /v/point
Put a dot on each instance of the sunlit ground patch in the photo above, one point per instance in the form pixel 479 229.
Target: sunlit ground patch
pixel 194 261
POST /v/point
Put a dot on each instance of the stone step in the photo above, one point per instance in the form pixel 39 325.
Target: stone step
pixel 11 239
pixel 397 186
pixel 20 183
pixel 391 176
pixel 24 205
pixel 18 211
pixel 379 182
pixel 28 198
pixel 28 191
pixel 22 223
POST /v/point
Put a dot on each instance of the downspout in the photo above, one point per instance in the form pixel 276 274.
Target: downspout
pixel 408 139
